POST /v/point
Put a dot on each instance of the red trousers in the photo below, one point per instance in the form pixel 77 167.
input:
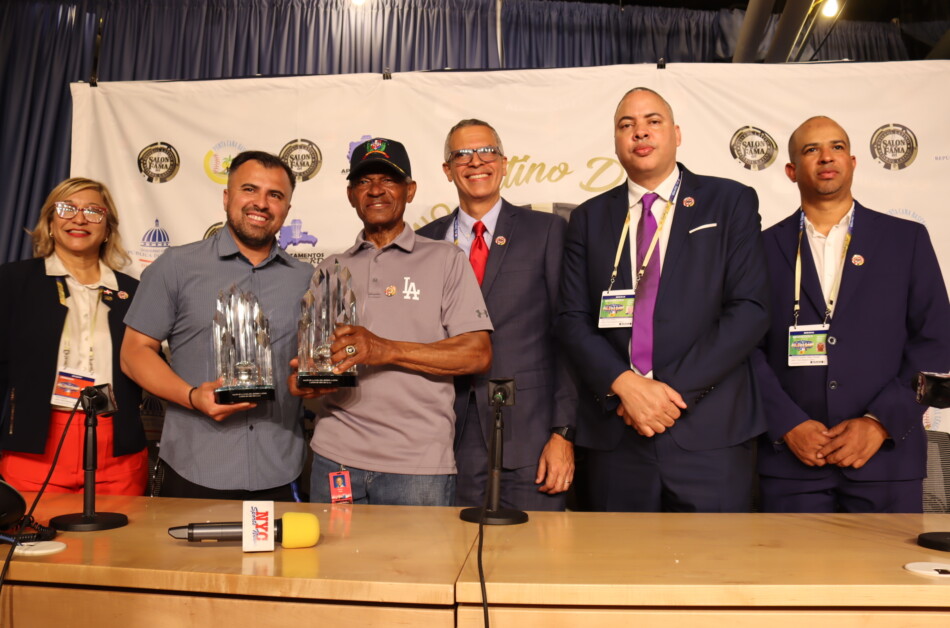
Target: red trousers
pixel 115 475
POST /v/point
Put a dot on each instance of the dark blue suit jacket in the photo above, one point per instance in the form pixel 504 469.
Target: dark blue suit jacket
pixel 520 290
pixel 711 310
pixel 31 325
pixel 891 320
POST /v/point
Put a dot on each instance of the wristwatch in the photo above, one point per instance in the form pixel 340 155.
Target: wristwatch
pixel 565 432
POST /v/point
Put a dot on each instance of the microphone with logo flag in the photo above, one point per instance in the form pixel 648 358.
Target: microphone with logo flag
pixel 258 530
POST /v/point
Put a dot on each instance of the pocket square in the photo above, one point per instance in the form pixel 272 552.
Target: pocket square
pixel 706 226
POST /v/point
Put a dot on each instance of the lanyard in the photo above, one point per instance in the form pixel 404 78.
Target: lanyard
pixel 67 342
pixel 653 243
pixel 455 231
pixel 830 305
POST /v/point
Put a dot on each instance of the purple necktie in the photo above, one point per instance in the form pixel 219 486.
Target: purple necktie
pixel 641 341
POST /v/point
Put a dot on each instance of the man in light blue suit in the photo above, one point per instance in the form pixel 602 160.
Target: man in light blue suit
pixel 844 431
pixel 670 412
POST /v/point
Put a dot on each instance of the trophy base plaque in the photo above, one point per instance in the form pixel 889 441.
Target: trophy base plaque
pixel 240 394
pixel 326 380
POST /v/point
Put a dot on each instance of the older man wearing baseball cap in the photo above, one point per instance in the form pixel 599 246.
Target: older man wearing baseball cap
pixel 423 322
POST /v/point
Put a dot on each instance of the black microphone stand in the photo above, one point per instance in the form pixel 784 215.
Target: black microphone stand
pixel 95 401
pixel 501 393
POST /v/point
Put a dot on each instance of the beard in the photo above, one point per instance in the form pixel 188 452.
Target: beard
pixel 249 235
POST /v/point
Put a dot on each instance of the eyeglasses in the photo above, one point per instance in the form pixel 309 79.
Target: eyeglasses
pixel 464 156
pixel 68 211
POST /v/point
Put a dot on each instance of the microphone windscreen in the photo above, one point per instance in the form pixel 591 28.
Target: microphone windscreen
pixel 299 529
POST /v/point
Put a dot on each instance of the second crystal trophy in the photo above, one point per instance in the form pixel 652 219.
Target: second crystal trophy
pixel 329 302
pixel 242 349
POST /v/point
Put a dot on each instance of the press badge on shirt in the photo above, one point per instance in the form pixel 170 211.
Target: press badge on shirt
pixel 69 386
pixel 616 308
pixel 340 491
pixel 808 345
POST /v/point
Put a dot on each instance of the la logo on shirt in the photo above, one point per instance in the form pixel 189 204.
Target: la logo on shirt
pixel 410 292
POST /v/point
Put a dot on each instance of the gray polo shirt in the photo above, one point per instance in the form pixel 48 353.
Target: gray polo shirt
pixel 254 450
pixel 401 421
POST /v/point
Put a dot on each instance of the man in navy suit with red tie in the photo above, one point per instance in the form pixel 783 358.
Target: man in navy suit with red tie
pixel 859 307
pixel 670 412
pixel 516 255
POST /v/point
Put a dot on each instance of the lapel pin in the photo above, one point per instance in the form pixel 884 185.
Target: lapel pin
pixel 123 294
pixel 857 260
pixel 501 241
pixel 391 291
pixel 689 201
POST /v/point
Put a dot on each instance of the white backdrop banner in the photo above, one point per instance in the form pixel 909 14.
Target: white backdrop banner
pixel 163 147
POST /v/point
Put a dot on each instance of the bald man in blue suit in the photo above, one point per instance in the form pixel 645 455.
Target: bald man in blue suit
pixel 676 431
pixel 844 431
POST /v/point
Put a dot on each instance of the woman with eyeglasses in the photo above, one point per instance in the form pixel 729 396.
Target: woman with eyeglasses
pixel 60 331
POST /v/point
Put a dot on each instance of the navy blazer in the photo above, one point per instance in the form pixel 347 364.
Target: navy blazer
pixel 520 289
pixel 891 320
pixel 711 310
pixel 31 325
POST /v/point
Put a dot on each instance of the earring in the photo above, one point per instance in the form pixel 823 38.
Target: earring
pixel 106 240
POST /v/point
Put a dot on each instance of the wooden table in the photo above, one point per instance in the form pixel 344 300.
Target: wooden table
pixel 400 566
pixel 374 565
pixel 708 571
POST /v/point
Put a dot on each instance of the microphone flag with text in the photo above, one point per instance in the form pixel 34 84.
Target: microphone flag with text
pixel 258 530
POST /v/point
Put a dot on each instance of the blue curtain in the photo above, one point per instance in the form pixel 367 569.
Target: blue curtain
pixel 205 39
pixel 541 34
pixel 857 41
pixel 47 44
pixel 538 34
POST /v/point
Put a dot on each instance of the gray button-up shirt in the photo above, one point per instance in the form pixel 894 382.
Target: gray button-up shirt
pixel 254 450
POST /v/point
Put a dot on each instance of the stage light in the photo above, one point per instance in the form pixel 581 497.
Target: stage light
pixel 829 8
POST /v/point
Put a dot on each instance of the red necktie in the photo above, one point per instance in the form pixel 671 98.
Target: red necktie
pixel 478 256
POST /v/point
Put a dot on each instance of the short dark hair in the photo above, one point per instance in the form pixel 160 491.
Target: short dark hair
pixel 267 160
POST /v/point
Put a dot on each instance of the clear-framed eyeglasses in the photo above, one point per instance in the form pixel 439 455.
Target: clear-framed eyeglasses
pixel 464 156
pixel 68 211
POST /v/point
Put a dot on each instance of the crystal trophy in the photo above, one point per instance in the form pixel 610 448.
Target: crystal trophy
pixel 242 348
pixel 328 303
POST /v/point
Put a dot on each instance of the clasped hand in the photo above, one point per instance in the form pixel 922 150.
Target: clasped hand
pixel 850 443
pixel 646 405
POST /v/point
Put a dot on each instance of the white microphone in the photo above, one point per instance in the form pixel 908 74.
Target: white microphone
pixel 258 531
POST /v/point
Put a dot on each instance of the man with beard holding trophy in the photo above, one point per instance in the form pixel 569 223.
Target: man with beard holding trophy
pixel 212 450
